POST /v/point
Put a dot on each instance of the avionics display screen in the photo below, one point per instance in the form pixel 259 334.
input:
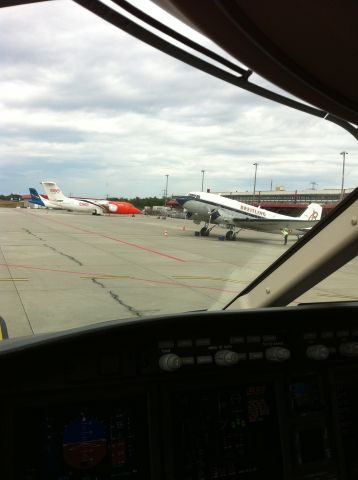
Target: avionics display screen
pixel 83 442
pixel 347 414
pixel 305 394
pixel 227 433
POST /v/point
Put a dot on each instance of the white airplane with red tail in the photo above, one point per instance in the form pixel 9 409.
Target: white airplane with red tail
pixel 56 199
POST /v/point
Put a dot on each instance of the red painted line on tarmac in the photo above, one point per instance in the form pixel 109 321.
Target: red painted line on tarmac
pixel 118 240
pixel 114 276
pixel 144 248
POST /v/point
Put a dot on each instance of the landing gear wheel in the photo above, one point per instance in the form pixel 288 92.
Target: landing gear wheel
pixel 229 235
pixel 204 232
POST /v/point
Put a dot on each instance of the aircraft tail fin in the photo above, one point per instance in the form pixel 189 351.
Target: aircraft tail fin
pixel 35 197
pixel 312 212
pixel 53 191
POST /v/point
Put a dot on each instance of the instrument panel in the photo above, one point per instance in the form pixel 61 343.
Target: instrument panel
pixel 201 396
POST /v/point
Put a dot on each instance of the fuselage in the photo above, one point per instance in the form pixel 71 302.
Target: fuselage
pixel 95 206
pixel 75 205
pixel 205 205
pixel 215 209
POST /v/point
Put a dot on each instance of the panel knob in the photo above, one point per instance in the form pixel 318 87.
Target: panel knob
pixel 225 358
pixel 349 349
pixel 317 352
pixel 170 362
pixel 277 354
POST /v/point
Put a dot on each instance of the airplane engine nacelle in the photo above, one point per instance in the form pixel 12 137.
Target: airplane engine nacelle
pixel 113 208
pixel 216 213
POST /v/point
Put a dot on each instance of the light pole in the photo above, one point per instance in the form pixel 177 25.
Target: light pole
pixel 255 180
pixel 344 162
pixel 202 180
pixel 166 190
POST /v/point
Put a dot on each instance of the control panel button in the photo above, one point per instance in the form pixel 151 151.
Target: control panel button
pixel 164 344
pixel 310 335
pixel 349 349
pixel 342 333
pixel 225 358
pixel 170 362
pixel 256 355
pixel 237 340
pixel 202 342
pixel 185 343
pixel 277 354
pixel 269 338
pixel 204 359
pixel 253 339
pixel 188 360
pixel 317 352
pixel 327 334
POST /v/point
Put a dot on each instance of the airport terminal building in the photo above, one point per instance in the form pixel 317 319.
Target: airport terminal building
pixel 289 202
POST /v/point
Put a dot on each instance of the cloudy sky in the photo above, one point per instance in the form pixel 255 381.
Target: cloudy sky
pixel 88 106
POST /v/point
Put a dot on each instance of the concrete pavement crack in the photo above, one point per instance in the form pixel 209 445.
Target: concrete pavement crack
pixel 53 248
pixel 117 299
pixel 64 254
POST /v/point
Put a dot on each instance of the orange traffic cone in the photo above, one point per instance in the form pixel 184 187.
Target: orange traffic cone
pixel 184 228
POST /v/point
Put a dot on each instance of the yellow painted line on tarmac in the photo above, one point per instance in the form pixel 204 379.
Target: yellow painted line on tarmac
pixel 14 279
pixel 193 277
pixel 335 295
pixel 104 277
pixel 3 330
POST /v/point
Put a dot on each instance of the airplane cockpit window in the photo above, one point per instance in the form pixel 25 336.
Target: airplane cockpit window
pixel 178 240
pixel 123 154
pixel 338 285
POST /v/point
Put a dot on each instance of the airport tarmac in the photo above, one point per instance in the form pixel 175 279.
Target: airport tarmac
pixel 61 270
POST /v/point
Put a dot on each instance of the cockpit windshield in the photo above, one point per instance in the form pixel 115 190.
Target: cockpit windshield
pixel 123 132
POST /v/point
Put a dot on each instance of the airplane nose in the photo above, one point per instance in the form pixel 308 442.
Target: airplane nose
pixel 182 200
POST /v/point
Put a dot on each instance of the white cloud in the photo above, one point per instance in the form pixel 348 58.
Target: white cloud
pixel 98 111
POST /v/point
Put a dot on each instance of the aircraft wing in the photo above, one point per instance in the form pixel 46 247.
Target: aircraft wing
pixel 274 226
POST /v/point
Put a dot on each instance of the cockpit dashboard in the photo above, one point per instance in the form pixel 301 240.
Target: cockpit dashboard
pixel 228 395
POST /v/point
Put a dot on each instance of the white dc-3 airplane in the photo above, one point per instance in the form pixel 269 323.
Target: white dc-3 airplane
pixel 54 198
pixel 234 215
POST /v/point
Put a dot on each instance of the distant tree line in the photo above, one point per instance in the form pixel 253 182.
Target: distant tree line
pixel 140 202
pixel 13 196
